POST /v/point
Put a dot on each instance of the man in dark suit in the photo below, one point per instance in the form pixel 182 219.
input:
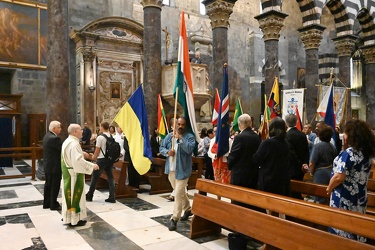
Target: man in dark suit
pixel 299 150
pixel 86 135
pixel 243 172
pixel 52 165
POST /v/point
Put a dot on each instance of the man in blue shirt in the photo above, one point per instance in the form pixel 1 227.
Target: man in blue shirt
pixel 178 147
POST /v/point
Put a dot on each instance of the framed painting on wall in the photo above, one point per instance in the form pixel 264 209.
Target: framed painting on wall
pixel 23 30
pixel 116 90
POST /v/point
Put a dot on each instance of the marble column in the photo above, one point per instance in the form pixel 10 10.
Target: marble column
pixel 311 37
pixel 345 46
pixel 58 104
pixel 271 23
pixel 152 58
pixel 219 12
pixel 369 53
pixel 88 88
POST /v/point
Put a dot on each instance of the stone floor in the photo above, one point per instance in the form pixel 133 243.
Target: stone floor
pixel 132 223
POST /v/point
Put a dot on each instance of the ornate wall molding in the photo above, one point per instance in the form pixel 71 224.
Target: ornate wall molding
pixel 271 24
pixel 219 12
pixel 311 36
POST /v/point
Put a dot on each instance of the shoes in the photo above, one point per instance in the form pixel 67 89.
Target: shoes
pixel 110 200
pixel 88 197
pixel 56 208
pixel 186 215
pixel 170 198
pixel 45 206
pixel 79 224
pixel 172 225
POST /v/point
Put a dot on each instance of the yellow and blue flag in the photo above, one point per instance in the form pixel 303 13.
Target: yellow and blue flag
pixel 132 118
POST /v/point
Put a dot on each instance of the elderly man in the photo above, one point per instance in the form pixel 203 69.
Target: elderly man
pixel 74 167
pixel 243 172
pixel 52 166
pixel 178 148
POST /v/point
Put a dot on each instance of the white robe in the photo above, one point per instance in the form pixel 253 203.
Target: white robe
pixel 74 168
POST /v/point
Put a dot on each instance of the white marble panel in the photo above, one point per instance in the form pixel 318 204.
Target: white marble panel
pixel 181 243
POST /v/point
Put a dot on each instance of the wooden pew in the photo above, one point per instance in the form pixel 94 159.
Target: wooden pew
pixel 119 175
pixel 320 190
pixel 371 185
pixel 159 180
pixel 211 214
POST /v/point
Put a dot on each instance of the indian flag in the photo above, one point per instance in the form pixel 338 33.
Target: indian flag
pixel 184 81
pixel 161 119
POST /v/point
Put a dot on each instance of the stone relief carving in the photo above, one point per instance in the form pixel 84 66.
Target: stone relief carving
pixel 111 65
pixel 119 33
pixel 219 13
pixel 110 107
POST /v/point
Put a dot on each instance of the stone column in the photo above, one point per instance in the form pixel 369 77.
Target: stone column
pixel 219 12
pixel 58 95
pixel 88 88
pixel 369 53
pixel 311 37
pixel 152 58
pixel 271 23
pixel 344 47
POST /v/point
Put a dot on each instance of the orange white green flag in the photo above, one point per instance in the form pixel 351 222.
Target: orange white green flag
pixel 184 81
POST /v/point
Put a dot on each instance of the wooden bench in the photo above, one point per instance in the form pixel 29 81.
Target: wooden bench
pixel 320 191
pixel 211 214
pixel 119 175
pixel 159 180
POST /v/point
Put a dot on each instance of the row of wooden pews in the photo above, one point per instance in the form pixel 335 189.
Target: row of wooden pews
pixel 157 179
pixel 212 214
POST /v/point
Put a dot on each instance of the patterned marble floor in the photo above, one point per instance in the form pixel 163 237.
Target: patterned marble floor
pixel 131 224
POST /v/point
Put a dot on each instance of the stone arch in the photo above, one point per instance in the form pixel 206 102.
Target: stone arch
pixel 343 19
pixel 368 27
pixel 310 12
pixel 268 5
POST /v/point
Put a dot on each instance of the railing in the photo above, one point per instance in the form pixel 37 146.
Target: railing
pixel 22 153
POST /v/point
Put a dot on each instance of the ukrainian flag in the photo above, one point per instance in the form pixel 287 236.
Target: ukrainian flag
pixel 132 118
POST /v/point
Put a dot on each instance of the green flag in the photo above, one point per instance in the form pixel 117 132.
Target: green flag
pixel 237 113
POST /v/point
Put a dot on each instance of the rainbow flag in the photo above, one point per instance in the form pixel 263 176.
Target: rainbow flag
pixel 132 118
pixel 161 119
pixel 184 82
pixel 263 129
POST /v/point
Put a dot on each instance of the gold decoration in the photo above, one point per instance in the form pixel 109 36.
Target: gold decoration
pixel 219 13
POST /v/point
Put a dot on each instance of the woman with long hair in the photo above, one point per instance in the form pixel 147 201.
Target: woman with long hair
pixel 351 168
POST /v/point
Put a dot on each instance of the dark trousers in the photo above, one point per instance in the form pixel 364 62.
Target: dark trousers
pixel 209 174
pixel 134 176
pixel 51 190
pixel 107 167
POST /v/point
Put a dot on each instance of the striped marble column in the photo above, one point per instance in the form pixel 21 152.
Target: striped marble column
pixel 219 12
pixel 152 57
pixel 345 46
pixel 271 23
pixel 311 37
pixel 369 53
pixel 58 91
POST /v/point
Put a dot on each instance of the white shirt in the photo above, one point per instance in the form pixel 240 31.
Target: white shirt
pixel 101 143
pixel 119 138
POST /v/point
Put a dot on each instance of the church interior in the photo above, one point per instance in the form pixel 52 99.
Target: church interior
pixel 80 61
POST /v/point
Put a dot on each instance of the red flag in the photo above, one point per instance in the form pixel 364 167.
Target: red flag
pixel 215 113
pixel 299 123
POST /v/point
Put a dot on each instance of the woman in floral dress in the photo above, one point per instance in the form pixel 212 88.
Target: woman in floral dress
pixel 350 172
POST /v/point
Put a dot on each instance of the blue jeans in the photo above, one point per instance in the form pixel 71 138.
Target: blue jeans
pixel 322 176
pixel 107 167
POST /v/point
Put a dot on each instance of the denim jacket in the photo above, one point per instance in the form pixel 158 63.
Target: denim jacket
pixel 184 151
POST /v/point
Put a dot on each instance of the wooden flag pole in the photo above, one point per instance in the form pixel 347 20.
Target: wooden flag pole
pixel 174 117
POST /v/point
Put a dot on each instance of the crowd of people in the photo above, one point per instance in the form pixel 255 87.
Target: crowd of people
pixel 343 165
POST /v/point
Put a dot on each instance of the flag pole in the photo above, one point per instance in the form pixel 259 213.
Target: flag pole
pixel 166 124
pixel 174 117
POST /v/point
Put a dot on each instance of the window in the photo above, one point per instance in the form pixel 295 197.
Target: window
pixel 202 9
pixel 166 2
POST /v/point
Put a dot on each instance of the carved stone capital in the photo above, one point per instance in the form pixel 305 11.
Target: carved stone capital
pixel 345 45
pixel 152 3
pixel 369 53
pixel 271 24
pixel 312 35
pixel 219 12
pixel 88 54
